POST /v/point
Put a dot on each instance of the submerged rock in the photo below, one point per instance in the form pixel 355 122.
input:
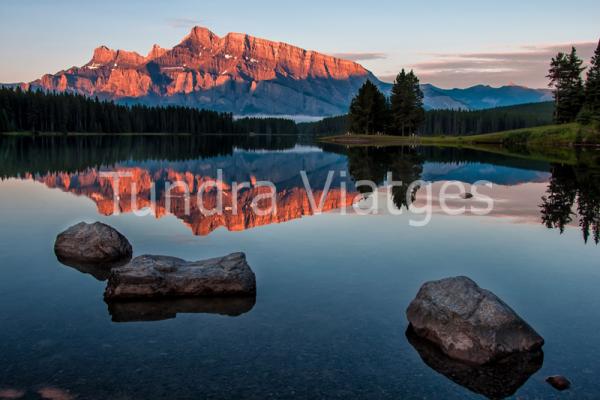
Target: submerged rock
pixel 496 380
pixel 148 277
pixel 92 244
pixel 559 382
pixel 469 323
pixel 157 310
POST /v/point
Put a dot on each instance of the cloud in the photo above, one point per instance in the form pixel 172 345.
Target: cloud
pixel 360 56
pixel 527 65
pixel 183 22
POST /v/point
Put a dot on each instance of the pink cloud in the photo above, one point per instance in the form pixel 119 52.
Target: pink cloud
pixel 526 66
pixel 360 56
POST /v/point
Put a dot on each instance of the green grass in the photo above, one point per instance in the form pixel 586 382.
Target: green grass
pixel 551 143
pixel 549 135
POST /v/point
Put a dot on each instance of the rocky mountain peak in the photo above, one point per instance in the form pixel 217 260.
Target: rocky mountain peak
pixel 155 52
pixel 200 36
pixel 103 55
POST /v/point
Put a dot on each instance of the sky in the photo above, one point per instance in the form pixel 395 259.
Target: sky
pixel 449 44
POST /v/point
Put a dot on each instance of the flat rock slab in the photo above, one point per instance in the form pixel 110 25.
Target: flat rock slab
pixel 92 244
pixel 469 323
pixel 151 277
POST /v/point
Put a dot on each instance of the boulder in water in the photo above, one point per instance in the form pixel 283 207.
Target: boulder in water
pixel 95 244
pixel 151 277
pixel 469 323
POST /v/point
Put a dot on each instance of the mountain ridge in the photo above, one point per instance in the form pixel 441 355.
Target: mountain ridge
pixel 246 75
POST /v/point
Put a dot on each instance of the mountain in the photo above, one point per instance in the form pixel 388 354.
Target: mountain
pixel 483 96
pixel 236 73
pixel 245 75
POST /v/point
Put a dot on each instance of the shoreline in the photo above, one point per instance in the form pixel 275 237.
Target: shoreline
pixel 567 135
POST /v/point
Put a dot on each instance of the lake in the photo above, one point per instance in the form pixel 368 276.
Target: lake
pixel 328 320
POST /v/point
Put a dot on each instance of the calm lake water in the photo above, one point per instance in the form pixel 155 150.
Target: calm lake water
pixel 329 319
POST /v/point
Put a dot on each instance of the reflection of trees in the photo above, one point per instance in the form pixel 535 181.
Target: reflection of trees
pixel 558 204
pixel 61 153
pixel 372 163
pixel 570 186
pixel 588 205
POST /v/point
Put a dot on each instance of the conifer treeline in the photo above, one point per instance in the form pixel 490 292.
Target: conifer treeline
pixel 266 125
pixel 37 111
pixel 464 122
pixel 455 122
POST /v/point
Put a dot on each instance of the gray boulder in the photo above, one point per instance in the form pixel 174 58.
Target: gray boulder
pixel 469 323
pixel 150 277
pixel 91 244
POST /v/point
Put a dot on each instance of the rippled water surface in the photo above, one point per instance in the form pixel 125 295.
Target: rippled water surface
pixel 329 319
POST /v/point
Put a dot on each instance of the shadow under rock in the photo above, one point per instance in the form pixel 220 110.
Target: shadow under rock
pixel 158 310
pixel 496 380
pixel 100 271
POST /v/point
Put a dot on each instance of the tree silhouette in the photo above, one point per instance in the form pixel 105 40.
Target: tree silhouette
pixel 565 77
pixel 368 110
pixel 406 104
pixel 592 85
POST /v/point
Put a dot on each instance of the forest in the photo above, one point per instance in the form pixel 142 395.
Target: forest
pixel 455 122
pixel 38 111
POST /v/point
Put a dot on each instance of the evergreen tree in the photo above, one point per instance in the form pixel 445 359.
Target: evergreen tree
pixel 592 85
pixel 565 78
pixel 406 104
pixel 368 110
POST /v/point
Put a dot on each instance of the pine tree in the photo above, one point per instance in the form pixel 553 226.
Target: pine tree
pixel 576 87
pixel 592 85
pixel 368 110
pixel 406 104
pixel 417 116
pixel 565 78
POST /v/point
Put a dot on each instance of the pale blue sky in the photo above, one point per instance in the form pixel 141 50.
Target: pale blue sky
pixel 440 39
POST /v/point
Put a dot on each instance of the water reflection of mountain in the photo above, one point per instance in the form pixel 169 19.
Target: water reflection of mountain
pixel 73 164
pixel 471 172
pixel 134 192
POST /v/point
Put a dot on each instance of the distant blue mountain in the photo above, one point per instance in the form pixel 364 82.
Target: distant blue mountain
pixel 482 96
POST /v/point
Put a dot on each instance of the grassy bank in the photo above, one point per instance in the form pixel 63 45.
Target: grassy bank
pixel 570 144
pixel 566 135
